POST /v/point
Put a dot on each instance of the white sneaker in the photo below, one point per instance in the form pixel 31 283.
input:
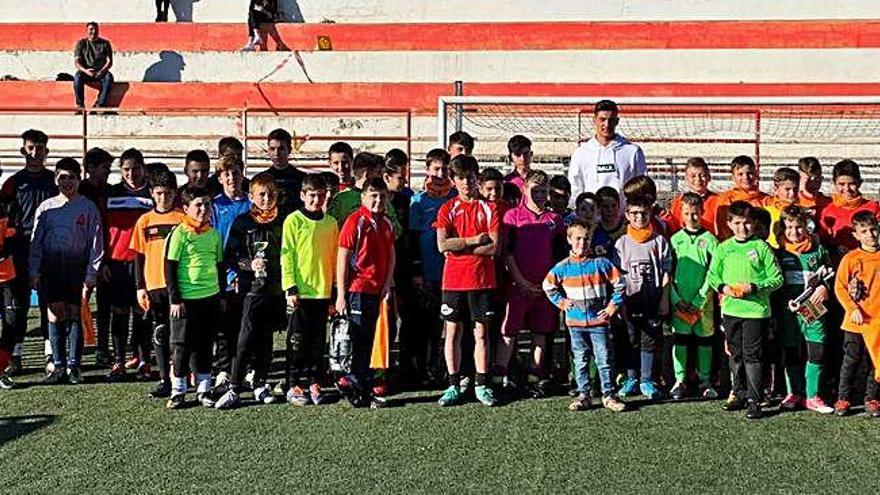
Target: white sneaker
pixel 221 379
pixel 264 394
pixel 228 401
pixel 205 400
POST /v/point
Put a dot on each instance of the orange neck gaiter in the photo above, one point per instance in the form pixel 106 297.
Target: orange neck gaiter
pixel 799 247
pixel 839 201
pixel 640 235
pixel 263 216
pixel 194 225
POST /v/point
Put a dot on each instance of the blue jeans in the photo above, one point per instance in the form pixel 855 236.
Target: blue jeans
pixel 66 338
pixel 587 343
pixel 79 83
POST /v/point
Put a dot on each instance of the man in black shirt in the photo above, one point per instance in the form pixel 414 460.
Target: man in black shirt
pixel 93 57
pixel 287 177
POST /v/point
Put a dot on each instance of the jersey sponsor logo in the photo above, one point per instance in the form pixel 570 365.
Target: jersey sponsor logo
pixel 157 232
pixel 641 272
pixel 606 168
pixel 445 310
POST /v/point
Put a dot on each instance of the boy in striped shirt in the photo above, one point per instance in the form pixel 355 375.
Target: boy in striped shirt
pixel 589 290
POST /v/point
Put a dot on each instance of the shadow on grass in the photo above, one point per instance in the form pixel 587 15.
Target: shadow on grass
pixel 14 427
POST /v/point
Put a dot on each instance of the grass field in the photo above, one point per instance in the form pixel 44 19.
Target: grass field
pixel 101 437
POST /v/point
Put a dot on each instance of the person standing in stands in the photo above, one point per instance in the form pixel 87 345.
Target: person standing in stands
pixel 93 57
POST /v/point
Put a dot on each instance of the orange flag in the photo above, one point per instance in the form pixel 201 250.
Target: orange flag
pixel 88 325
pixel 381 346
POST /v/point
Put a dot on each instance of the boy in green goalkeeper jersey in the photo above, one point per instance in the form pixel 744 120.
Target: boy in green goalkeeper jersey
pixel 693 315
pixel 744 270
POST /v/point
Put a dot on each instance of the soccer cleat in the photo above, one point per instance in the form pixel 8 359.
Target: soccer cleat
pixel 145 372
pixel 161 390
pixel 296 396
pixel 540 389
pixel 50 365
pixel 117 373
pixel 378 402
pixel 54 377
pixel 176 401
pixel 582 403
pixel 678 391
pixel 264 394
pixel 816 404
pixel 14 367
pixel 221 379
pixel 315 394
pixel 485 396
pixel 649 390
pixel 227 401
pixel 205 399
pixel 734 403
pixel 628 387
pixel 133 363
pixel 872 407
pixel 614 404
pixel 754 410
pixel 791 402
pixel 451 396
pixel 707 391
pixel 6 382
pixel 74 376
pixel 842 407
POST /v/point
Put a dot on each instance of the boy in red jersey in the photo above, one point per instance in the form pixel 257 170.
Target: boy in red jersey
pixel 835 220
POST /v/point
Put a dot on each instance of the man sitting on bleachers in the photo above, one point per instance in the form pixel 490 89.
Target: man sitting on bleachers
pixel 93 57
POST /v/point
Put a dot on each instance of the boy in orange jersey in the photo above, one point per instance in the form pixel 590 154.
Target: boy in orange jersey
pixel 785 193
pixel 857 287
pixel 696 179
pixel 835 220
pixel 810 195
pixel 746 181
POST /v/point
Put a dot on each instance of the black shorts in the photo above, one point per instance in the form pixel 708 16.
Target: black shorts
pixel 56 291
pixel 159 306
pixel 198 325
pixel 476 305
pixel 123 293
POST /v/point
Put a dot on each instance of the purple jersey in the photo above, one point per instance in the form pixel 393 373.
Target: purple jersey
pixel 531 238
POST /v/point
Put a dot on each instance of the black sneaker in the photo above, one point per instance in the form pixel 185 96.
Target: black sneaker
pixel 55 377
pixel 734 403
pixel 378 402
pixel 176 401
pixel 6 382
pixel 754 410
pixel 14 367
pixel 161 390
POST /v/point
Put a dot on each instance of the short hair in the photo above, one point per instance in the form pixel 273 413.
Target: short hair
pixel 692 199
pixel 227 163
pixel 538 178
pixel 280 135
pixel 810 165
pixel 133 154
pixel 640 201
pixel 68 164
pixel 761 216
pixel 96 156
pixel 607 192
pixel 191 194
pixel 786 174
pixel 264 179
pixel 153 167
pixel 697 162
pixel 34 136
pixel 314 182
pixel 518 144
pixel 864 219
pixel 741 161
pixel 163 178
pixel 464 139
pixel 561 183
pixel 510 192
pixel 229 146
pixel 463 165
pixel 794 213
pixel 331 180
pixel 640 186
pixel 578 223
pixel 489 174
pixel 605 106
pixel 740 209
pixel 847 168
pixel 91 23
pixel 437 155
pixel 365 162
pixel 584 197
pixel 340 147
pixel 375 184
pixel 198 156
pixel 396 157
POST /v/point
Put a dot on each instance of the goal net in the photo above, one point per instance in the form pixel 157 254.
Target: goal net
pixel 774 131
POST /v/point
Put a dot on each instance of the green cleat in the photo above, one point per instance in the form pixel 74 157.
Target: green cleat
pixel 450 397
pixel 485 396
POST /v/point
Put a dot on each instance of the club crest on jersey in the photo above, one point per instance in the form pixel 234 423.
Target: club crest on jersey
pixel 606 168
pixel 702 243
pixel 752 255
pixel 813 263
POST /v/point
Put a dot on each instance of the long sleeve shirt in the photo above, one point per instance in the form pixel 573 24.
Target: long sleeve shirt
pixel 745 262
pixel 589 284
pixel 68 242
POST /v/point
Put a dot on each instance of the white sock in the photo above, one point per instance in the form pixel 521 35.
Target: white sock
pixel 47 347
pixel 178 385
pixel 204 380
pixel 16 351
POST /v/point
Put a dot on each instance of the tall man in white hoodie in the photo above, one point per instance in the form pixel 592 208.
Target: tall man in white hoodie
pixel 606 159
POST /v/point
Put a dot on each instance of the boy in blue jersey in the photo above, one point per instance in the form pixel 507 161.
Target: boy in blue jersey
pixel 579 286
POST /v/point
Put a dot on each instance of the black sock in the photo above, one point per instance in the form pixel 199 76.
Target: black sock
pixel 454 379
pixel 480 379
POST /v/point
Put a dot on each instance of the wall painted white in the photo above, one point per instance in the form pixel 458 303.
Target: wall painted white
pixel 553 66
pixel 442 11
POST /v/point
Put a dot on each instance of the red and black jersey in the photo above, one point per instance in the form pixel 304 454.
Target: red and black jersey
pixel 124 207
pixel 23 193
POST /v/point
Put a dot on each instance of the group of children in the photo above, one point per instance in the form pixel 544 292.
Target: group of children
pixel 198 279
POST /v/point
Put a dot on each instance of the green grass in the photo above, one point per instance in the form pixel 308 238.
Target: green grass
pixel 110 437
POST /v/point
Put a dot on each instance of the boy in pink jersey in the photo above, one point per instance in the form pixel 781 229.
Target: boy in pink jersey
pixel 533 237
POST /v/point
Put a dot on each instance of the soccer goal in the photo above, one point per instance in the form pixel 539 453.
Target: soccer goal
pixel 775 131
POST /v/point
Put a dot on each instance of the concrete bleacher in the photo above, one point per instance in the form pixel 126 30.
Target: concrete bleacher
pixel 397 56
